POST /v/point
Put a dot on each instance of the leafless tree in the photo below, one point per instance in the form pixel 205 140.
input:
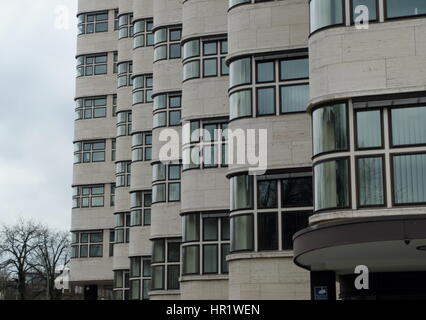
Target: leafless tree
pixel 51 253
pixel 18 244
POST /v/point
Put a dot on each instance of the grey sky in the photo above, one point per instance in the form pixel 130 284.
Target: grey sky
pixel 36 123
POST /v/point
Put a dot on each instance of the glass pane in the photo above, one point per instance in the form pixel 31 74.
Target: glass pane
pixel 240 72
pixel 297 192
pixel 191 227
pixel 225 252
pixel 191 70
pixel 265 71
pixel 370 179
pixel 267 224
pixel 209 48
pixel 210 67
pixel 409 178
pixel 173 273
pixel 158 277
pixel 158 252
pixel 331 184
pixel 267 194
pixel 369 129
pixel 95 250
pixel 241 192
pixel 135 267
pixel 294 69
pixel 175 51
pixel 330 132
pixel 210 261
pixel 294 98
pixel 266 101
pixel 191 260
pixel 292 223
pixel 191 49
pixel 225 228
pixel 159 193
pixel 359 11
pixel 398 8
pixel 242 233
pixel 174 191
pixel 408 126
pixel 173 252
pixel 325 13
pixel 135 289
pixel 210 229
pixel 146 268
pixel 240 104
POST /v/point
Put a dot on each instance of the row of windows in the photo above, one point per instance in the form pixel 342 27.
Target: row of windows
pixel 89 151
pixel 207 61
pixel 142 89
pixel 331 128
pixel 125 70
pixel 206 243
pixel 121 284
pixel 326 13
pixel 377 148
pixel 167 43
pixel 93 107
pixel 165 265
pixel 122 174
pixel 282 82
pixel 86 244
pixel 92 22
pixel 92 65
pixel 166 182
pixel 122 227
pixel 124 123
pixel 206 145
pixel 125 26
pixel 167 110
pixel 88 196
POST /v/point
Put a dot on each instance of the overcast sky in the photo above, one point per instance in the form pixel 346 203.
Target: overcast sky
pixel 36 123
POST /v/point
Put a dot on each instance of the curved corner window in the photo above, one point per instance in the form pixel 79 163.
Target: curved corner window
pixel 331 184
pixel 325 13
pixel 240 72
pixel 191 70
pixel 242 234
pixel 241 192
pixel 191 49
pixel 406 8
pixel 240 104
pixel 330 128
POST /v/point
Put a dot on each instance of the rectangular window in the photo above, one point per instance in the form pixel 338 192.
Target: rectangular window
pixel 405 8
pixel 294 98
pixel 292 223
pixel 408 126
pixel 409 176
pixel 370 181
pixel 297 192
pixel 265 101
pixel 368 129
pixel 267 224
pixel 267 194
pixel 210 261
pixel 294 69
pixel 265 72
pixel 242 233
pixel 191 260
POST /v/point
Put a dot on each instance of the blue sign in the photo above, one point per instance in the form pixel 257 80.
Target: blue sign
pixel 321 293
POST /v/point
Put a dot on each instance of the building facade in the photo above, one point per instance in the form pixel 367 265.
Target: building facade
pixel 167 93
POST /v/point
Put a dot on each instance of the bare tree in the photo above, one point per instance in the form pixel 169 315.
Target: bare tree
pixel 18 244
pixel 52 253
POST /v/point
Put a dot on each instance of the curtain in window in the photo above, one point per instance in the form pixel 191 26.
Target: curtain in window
pixel 369 129
pixel 241 192
pixel 408 126
pixel 370 179
pixel 294 98
pixel 409 178
pixel 242 232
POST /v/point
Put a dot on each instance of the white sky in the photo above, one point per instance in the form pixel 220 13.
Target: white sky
pixel 36 98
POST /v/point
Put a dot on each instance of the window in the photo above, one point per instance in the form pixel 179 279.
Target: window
pixel 205 58
pixel 92 22
pixel 368 129
pixel 87 244
pixel 205 244
pixel 166 182
pixel 330 132
pixel 122 174
pixel 267 192
pixel 112 199
pixel 125 70
pixel 370 181
pixel 141 208
pixel 113 149
pixel 88 196
pixel 111 242
pixel 265 71
pixel 242 228
pixel 142 89
pixel 89 151
pixel 408 126
pixel 92 65
pixel 265 101
pixel 240 72
pixel 371 6
pixel 142 146
pixel 241 192
pixel 267 231
pixel 140 278
pixel 122 230
pixel 114 105
pixel 240 104
pixel 167 43
pixel 167 110
pixel 115 59
pixel 293 222
pixel 124 123
pixel 325 13
pixel 409 175
pixel 294 69
pixel 121 285
pixel 143 36
pixel 165 264
pixel 406 8
pixel 125 25
pixel 332 184
pixel 297 191
pixel 206 146
pixel 91 108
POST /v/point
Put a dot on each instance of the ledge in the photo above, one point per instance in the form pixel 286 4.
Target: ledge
pixel 205 277
pixel 259 255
